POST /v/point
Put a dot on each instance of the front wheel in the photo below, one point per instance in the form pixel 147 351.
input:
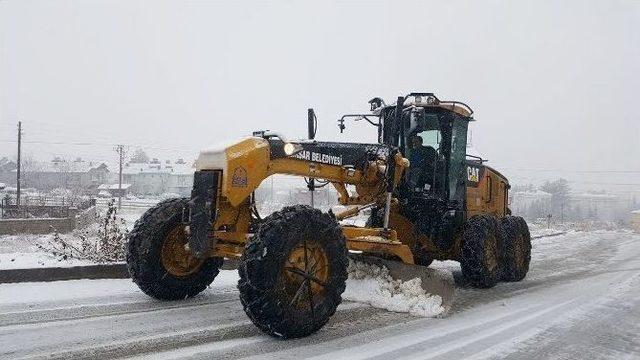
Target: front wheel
pixel 157 259
pixel 293 272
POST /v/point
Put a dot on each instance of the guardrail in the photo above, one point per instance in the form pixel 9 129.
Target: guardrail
pixel 102 271
pixel 98 271
pixel 549 235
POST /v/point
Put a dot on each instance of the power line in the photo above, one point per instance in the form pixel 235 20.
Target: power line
pixel 151 147
pixel 601 183
pixel 576 171
pixel 523 179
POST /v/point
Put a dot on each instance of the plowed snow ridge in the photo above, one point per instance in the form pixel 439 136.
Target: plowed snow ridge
pixel 373 285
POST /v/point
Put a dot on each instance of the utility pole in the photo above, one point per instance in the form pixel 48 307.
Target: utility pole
pixel 18 179
pixel 120 150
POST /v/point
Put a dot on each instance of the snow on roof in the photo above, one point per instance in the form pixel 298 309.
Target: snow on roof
pixel 7 165
pixel 113 186
pixel 61 165
pixel 157 168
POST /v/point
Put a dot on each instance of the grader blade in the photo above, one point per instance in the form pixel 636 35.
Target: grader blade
pixel 434 281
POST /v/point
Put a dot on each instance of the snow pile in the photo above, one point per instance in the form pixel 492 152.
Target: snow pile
pixel 373 285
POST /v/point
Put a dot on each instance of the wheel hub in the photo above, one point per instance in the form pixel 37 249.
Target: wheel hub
pixel 305 274
pixel 176 259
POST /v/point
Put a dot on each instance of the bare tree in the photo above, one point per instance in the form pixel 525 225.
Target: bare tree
pixel 559 190
pixel 140 156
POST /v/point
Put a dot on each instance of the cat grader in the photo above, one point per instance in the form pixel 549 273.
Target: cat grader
pixel 425 197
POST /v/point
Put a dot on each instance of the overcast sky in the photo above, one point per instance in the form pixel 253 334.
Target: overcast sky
pixel 554 84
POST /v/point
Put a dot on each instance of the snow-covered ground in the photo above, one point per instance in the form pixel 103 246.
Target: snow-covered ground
pixel 131 209
pixel 581 299
pixel 21 260
pixel 22 251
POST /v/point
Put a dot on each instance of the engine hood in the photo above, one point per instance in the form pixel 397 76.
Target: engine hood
pixel 216 157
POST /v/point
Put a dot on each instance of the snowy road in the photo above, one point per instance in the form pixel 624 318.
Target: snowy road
pixel 581 299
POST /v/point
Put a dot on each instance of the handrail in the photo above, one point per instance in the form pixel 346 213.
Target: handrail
pixel 476 157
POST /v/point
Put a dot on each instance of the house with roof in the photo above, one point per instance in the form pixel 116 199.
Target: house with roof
pixel 7 170
pixel 7 165
pixel 113 190
pixel 75 174
pixel 159 177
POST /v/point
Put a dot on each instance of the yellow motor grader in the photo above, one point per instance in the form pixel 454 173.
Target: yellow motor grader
pixel 427 199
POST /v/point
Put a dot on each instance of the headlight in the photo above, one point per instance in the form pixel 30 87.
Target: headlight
pixel 289 149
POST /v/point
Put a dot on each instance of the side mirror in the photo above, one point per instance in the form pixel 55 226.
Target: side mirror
pixel 376 103
pixel 312 124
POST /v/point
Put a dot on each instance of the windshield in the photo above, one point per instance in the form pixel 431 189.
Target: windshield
pixel 424 150
pixel 458 155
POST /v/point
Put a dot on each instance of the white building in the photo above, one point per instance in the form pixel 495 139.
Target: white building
pixel 159 177
pixel 522 202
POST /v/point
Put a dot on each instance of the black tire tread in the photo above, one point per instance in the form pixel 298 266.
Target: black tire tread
pixel 144 255
pixel 514 226
pixel 475 233
pixel 259 269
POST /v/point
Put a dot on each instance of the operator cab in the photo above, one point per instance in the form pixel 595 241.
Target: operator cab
pixel 432 134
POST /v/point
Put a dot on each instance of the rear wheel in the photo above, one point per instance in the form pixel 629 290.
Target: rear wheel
pixel 157 259
pixel 480 251
pixel 293 272
pixel 516 249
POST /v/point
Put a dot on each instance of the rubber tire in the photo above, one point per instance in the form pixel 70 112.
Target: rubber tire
pixel 515 230
pixel 264 258
pixel 477 231
pixel 144 255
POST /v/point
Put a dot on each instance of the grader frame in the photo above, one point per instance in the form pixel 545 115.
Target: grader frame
pixel 251 164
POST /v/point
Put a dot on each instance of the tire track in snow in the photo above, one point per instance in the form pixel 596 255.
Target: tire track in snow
pixel 23 340
pixel 48 317
pixel 173 343
pixel 158 342
pixel 376 341
pixel 351 318
pixel 484 331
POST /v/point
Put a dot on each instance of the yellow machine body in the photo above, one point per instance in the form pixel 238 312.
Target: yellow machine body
pixel 247 163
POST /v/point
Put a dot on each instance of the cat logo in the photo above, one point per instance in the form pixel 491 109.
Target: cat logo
pixel 239 178
pixel 473 174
